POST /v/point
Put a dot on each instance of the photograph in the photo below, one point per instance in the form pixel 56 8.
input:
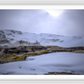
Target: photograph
pixel 41 41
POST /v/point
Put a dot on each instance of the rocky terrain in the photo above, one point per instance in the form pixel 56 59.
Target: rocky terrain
pixel 17 45
pixel 13 38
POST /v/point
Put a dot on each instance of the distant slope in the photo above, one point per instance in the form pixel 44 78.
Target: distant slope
pixel 17 38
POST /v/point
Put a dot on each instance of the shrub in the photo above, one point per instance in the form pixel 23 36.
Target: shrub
pixel 62 41
pixel 17 58
pixel 19 32
pixel 78 51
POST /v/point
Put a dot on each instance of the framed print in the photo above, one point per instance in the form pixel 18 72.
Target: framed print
pixel 41 41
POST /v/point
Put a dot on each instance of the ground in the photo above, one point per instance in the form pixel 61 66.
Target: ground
pixel 47 64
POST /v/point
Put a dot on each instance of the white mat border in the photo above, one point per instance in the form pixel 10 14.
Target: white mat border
pixel 42 2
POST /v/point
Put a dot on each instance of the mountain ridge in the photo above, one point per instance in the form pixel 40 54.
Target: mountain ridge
pixel 13 37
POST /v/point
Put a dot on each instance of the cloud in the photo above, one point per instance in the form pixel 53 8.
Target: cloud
pixel 68 23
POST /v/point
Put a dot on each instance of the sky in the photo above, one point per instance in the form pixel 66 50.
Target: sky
pixel 60 22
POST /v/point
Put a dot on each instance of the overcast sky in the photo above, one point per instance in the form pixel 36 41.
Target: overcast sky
pixel 68 23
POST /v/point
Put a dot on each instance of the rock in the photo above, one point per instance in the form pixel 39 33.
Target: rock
pixel 2 61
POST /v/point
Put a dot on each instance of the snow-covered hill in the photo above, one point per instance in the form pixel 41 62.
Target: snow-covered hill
pixel 17 38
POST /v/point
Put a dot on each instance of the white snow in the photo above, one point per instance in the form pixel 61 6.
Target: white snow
pixel 42 64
